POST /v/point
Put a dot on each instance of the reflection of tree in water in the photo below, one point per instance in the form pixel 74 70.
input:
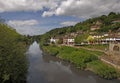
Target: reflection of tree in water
pixel 83 73
pixel 47 58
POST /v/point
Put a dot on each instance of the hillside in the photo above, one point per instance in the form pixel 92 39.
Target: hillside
pixel 99 25
pixel 13 61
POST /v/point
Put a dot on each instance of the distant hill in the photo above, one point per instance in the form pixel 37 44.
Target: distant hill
pixel 105 23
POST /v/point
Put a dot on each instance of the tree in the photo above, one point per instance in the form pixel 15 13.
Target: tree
pixel 112 14
pixel 60 41
pixel 13 62
pixel 90 39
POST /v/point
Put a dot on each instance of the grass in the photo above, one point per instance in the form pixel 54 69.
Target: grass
pixel 99 47
pixel 103 70
pixel 51 50
pixel 96 53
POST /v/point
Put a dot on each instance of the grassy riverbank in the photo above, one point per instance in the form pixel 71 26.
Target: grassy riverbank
pixel 98 47
pixel 83 59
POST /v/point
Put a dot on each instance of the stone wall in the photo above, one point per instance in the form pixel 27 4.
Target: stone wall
pixel 114 49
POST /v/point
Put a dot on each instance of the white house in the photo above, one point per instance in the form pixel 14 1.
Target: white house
pixel 111 40
pixel 71 41
pixel 53 40
pixel 68 41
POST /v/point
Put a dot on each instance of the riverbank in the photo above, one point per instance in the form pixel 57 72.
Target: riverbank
pixel 13 59
pixel 83 59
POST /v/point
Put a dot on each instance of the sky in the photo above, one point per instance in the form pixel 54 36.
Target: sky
pixel 35 17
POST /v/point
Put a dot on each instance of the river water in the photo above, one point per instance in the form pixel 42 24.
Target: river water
pixel 49 69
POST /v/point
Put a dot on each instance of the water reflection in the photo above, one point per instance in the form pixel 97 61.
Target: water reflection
pixel 48 69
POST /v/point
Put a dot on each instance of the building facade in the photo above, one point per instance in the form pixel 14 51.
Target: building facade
pixel 68 41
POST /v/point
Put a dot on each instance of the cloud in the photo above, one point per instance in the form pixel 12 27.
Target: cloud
pixel 26 27
pixel 47 13
pixel 78 8
pixel 31 30
pixel 68 23
pixel 84 8
pixel 26 5
pixel 20 23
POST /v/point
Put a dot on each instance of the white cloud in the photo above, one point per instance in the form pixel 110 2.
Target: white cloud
pixel 68 23
pixel 47 13
pixel 26 5
pixel 79 8
pixel 20 23
pixel 28 27
pixel 85 8
pixel 31 30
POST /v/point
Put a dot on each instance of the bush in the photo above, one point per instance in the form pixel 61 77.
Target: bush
pixel 79 57
pixel 13 61
pixel 104 70
pixel 51 50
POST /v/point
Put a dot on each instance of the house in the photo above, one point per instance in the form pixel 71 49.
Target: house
pixel 71 41
pixel 98 36
pixel 119 34
pixel 54 40
pixel 95 26
pixel 105 39
pixel 98 23
pixel 106 35
pixel 111 40
pixel 68 41
pixel 116 21
pixel 74 34
pixel 114 35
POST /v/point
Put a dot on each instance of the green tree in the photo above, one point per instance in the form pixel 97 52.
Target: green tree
pixel 90 39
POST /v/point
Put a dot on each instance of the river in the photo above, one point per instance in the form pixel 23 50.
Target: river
pixel 49 69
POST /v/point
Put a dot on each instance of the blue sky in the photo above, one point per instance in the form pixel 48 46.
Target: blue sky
pixel 35 17
pixel 44 23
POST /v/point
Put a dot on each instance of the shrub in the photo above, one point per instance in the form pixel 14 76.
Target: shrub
pixel 104 70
